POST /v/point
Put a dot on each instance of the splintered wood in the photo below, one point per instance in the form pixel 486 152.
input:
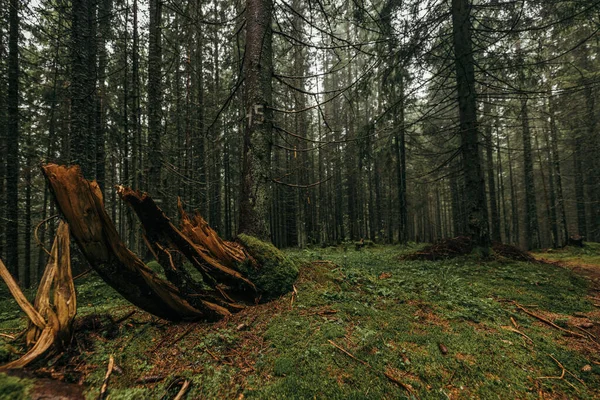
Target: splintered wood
pixel 223 289
pixel 52 313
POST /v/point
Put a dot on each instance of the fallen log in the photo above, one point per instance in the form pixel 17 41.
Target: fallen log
pixel 234 274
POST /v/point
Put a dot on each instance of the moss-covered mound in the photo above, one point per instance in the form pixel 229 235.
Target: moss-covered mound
pixel 276 274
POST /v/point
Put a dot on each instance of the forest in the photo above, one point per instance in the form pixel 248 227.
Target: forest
pixel 299 199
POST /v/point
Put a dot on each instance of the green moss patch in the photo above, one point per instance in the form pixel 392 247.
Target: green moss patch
pixel 13 388
pixel 276 274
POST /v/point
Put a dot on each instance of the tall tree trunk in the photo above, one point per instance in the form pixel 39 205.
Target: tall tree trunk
pixel 400 149
pixel 258 70
pixel 579 185
pixel 474 199
pixel 557 171
pixel 552 188
pixel 593 145
pixel 79 96
pixel 27 217
pixel 12 148
pixel 136 108
pixel 516 231
pixel 155 155
pixel 495 228
pixel 532 233
pixel 3 125
pixel 199 157
pixel 104 13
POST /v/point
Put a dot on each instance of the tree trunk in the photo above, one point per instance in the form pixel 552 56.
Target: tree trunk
pixel 532 233
pixel 557 171
pixel 104 13
pixel 3 129
pixel 155 156
pixel 474 199
pixel 495 228
pixel 12 148
pixel 79 96
pixel 258 70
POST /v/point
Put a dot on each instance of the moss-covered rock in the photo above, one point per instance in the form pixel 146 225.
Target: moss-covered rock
pixel 276 273
pixel 12 388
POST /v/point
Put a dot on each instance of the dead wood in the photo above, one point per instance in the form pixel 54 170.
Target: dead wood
pixel 82 205
pixel 109 370
pixel 234 275
pixel 50 321
pixel 200 245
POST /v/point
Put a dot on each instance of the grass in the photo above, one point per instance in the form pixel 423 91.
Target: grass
pixel 588 254
pixel 385 315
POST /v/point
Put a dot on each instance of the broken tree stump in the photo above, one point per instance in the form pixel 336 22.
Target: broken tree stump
pixel 233 274
pixel 52 313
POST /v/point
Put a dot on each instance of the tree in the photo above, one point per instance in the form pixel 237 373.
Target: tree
pixel 155 154
pixel 12 148
pixel 258 129
pixel 475 202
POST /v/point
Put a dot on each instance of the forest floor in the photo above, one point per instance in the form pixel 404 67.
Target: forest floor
pixel 362 324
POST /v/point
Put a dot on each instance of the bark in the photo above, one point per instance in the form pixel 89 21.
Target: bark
pixel 557 171
pixel 400 149
pixel 579 185
pixel 258 70
pixel 532 233
pixel 495 227
pixel 79 95
pixel 104 19
pixel 155 100
pixel 474 198
pixel 3 127
pixel 12 148
pixel 136 109
pixel 516 232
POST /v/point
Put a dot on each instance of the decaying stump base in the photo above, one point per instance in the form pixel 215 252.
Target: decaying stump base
pixel 233 274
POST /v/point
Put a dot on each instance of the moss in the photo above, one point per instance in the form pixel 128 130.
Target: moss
pixel 284 366
pixel 276 274
pixel 13 388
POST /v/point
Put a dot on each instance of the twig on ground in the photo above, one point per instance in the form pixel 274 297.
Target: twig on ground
pixel 11 337
pixel 184 388
pixel 515 330
pixel 514 323
pixel 125 317
pixel 548 322
pixel 150 379
pixel 387 374
pixel 81 275
pixel 111 364
pixel 562 375
pixel 346 352
pixel 294 295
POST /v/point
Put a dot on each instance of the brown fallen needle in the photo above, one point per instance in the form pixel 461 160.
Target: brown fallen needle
pixel 387 374
pixel 109 370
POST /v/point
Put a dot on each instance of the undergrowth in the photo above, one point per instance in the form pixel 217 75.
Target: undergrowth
pixel 389 316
